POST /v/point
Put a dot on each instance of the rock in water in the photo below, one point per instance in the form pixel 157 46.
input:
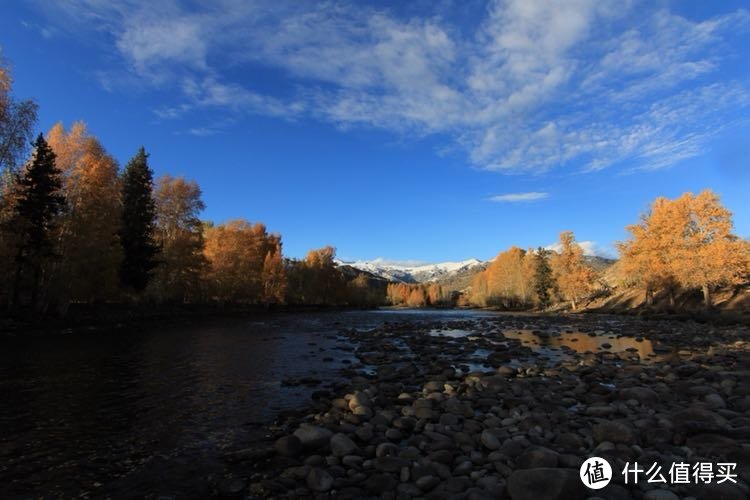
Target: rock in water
pixel 547 483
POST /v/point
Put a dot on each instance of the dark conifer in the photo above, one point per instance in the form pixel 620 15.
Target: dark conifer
pixel 39 202
pixel 138 224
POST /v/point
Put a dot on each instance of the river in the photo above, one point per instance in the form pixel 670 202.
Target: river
pixel 131 412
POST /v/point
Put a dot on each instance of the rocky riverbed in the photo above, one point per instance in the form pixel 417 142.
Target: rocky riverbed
pixel 510 407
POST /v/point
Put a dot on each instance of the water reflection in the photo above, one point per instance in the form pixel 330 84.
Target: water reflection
pixel 555 345
pixel 102 409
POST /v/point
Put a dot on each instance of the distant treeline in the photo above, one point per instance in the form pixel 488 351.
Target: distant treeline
pixel 419 295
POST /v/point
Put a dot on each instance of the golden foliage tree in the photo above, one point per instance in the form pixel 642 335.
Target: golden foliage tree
pixel 647 259
pixel 574 277
pixel 89 249
pixel 236 252
pixel 324 284
pixel 417 294
pixel 507 282
pixel 179 233
pixel 688 242
pixel 274 274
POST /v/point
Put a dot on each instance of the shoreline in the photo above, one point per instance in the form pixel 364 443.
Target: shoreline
pixel 97 318
pixel 120 316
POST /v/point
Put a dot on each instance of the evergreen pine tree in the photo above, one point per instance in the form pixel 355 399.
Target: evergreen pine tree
pixel 39 203
pixel 544 281
pixel 138 224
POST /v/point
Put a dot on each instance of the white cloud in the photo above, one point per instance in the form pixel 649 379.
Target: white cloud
pixel 518 197
pixel 535 85
pixel 588 248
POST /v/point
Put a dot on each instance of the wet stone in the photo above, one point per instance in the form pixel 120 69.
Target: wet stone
pixel 341 445
pixel 319 480
pixel 489 440
pixel 312 436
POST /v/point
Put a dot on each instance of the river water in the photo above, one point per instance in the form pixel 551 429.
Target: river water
pixel 152 412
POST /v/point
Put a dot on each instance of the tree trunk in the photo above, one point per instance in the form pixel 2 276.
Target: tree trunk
pixel 706 296
pixel 649 297
pixel 573 304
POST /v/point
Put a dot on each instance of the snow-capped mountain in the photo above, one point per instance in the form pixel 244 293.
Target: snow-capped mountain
pixel 412 272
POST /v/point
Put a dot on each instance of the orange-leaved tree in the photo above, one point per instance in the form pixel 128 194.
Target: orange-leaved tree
pixel 709 254
pixel 179 233
pixel 688 242
pixel 274 273
pixel 574 277
pixel 647 259
pixel 89 250
pixel 236 252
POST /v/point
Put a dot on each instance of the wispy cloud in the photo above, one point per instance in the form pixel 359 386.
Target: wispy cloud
pixel 588 248
pixel 518 197
pixel 534 85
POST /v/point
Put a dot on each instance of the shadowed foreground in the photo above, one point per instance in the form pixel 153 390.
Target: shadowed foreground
pixel 381 404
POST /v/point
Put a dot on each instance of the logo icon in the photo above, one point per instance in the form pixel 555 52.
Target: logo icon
pixel 596 473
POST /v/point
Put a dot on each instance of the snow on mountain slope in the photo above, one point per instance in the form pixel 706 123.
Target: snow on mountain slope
pixel 412 272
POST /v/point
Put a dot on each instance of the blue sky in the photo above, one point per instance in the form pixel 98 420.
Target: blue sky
pixel 429 131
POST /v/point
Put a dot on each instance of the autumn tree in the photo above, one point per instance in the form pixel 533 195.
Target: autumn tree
pixel 507 282
pixel 138 224
pixel 365 292
pixel 90 252
pixel 324 283
pixel 237 252
pixel 179 234
pixel 647 259
pixel 273 275
pixel 686 242
pixel 710 254
pixel 38 206
pixel 544 281
pixel 416 294
pixel 573 276
pixel 435 294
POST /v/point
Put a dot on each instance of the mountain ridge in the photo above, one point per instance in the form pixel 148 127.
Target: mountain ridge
pixel 452 275
pixel 413 273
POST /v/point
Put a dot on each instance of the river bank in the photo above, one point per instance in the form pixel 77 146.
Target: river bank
pixel 103 317
pixel 506 407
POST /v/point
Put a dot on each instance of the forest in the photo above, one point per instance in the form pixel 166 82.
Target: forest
pixel 75 228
